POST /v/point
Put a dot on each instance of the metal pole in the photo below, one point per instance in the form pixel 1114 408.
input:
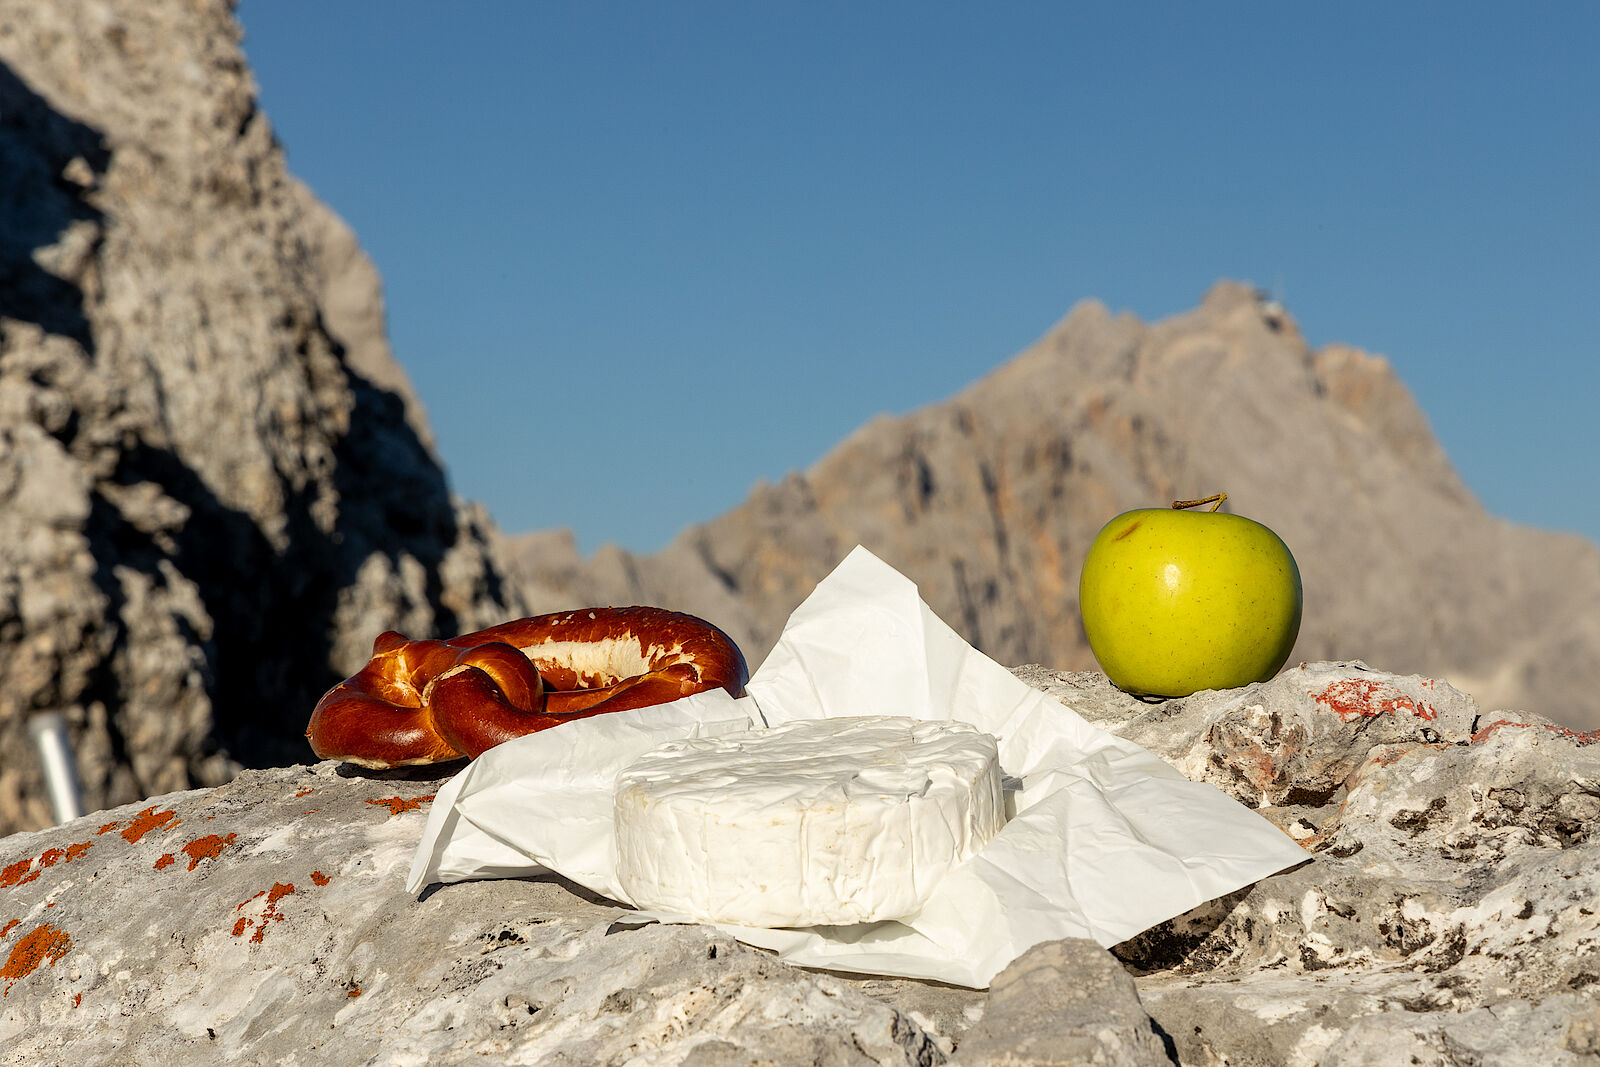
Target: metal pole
pixel 49 730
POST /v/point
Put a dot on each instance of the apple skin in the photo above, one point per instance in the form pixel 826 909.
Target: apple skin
pixel 1177 601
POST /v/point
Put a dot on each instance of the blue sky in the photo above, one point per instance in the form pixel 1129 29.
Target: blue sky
pixel 639 256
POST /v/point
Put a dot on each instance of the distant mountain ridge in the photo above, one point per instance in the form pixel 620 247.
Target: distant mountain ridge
pixel 988 501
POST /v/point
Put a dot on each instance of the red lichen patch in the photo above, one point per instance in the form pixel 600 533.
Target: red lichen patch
pixel 1365 698
pixel 147 820
pixel 268 914
pixel 208 847
pixel 43 944
pixel 319 878
pixel 355 991
pixel 8 927
pixel 24 871
pixel 396 805
pixel 165 860
pixel 1574 736
pixel 107 828
pixel 77 1000
pixel 17 873
pixel 307 791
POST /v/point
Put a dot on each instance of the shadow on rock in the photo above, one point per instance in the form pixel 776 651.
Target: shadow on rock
pixel 48 165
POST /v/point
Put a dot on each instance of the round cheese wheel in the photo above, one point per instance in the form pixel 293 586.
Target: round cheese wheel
pixel 818 822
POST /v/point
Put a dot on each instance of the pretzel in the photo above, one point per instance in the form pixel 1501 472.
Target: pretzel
pixel 432 701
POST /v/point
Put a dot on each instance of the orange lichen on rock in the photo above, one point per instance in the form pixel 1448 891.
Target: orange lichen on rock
pixel 208 847
pixel 8 927
pixel 23 871
pixel 397 805
pixel 319 878
pixel 165 860
pixel 307 791
pixel 147 820
pixel 17 873
pixel 43 944
pixel 1364 698
pixel 1560 731
pixel 269 913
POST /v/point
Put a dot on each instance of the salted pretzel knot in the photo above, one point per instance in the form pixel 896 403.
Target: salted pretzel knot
pixel 431 701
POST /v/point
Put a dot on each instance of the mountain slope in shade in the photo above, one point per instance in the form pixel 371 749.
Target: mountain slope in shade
pixel 990 499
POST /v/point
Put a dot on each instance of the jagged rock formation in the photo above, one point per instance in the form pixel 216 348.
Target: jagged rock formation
pixel 1445 916
pixel 989 501
pixel 215 487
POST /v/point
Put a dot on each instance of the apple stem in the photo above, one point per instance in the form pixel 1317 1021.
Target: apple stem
pixel 1215 500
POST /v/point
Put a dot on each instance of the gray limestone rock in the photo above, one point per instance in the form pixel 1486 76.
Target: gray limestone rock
pixel 266 921
pixel 215 485
pixel 1450 908
pixel 1293 740
pixel 1062 1004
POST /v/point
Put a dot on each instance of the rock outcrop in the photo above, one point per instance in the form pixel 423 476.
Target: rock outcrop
pixel 266 921
pixel 1446 915
pixel 989 501
pixel 215 485
pixel 1449 915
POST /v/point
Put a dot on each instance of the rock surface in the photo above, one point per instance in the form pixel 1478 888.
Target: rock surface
pixel 1447 915
pixel 1061 1004
pixel 215 485
pixel 1452 911
pixel 266 921
pixel 990 499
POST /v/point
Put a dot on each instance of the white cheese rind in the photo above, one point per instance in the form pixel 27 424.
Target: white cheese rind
pixel 820 822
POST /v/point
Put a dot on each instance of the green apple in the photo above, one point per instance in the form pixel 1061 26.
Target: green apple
pixel 1175 601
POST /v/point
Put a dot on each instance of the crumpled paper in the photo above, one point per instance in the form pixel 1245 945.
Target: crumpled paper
pixel 1107 839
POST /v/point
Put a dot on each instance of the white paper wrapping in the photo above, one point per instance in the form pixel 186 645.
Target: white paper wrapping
pixel 1107 840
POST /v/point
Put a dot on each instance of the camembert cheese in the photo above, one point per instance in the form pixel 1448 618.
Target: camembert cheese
pixel 818 822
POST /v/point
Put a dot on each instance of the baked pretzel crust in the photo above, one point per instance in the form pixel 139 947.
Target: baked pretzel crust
pixel 426 701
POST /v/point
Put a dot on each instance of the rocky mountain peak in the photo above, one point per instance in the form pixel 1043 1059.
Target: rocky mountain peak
pixel 216 487
pixel 990 498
